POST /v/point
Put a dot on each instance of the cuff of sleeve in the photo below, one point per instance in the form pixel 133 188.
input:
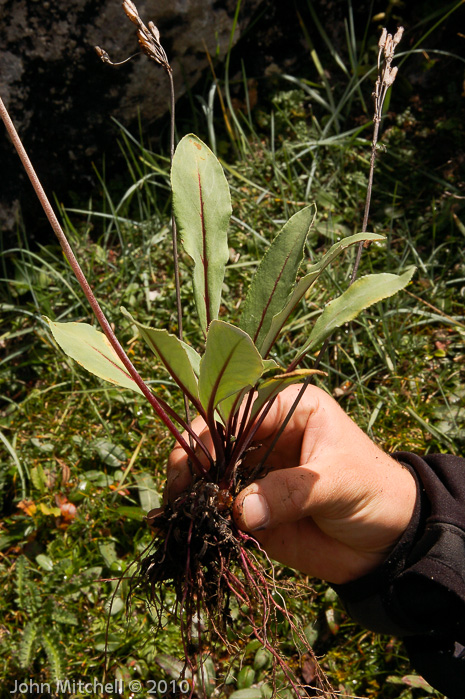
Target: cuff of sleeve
pixel 369 598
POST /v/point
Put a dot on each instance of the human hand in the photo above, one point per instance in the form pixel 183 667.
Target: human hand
pixel 332 505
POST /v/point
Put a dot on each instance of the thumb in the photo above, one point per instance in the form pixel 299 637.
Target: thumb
pixel 281 497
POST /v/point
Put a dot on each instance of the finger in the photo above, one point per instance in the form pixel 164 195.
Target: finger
pixel 179 474
pixel 279 410
pixel 279 510
pixel 286 451
pixel 282 497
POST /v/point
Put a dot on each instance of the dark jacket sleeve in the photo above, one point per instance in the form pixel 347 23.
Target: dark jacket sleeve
pixel 418 593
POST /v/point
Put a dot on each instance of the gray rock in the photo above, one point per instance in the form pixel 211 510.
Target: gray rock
pixel 61 96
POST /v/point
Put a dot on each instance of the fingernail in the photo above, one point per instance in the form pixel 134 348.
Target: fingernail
pixel 256 513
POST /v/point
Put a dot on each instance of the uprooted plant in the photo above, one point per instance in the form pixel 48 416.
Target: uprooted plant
pixel 214 568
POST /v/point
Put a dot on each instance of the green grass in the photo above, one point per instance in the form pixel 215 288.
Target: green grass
pixel 67 439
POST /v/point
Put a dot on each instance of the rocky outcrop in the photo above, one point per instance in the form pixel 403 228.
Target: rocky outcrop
pixel 61 96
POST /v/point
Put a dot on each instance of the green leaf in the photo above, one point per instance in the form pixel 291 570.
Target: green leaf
pixel 26 647
pixel 108 552
pixel 275 277
pixel 111 454
pixel 271 387
pixel 22 576
pixel 207 676
pixel 263 659
pixel 148 494
pixel 269 364
pixel 64 616
pixel 107 643
pixel 173 354
pixel 249 693
pixel 99 479
pixel 90 348
pixel 44 447
pixel 45 562
pixel 306 282
pixel 38 478
pixel 130 512
pixel 113 605
pixel 231 363
pixel 360 295
pixel 246 677
pixel 411 681
pixel 51 644
pixel 202 207
pixel 230 405
pixel 172 666
pixel 194 358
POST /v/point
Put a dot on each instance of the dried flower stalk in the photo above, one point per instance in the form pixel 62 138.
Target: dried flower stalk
pixel 149 41
pixel 386 75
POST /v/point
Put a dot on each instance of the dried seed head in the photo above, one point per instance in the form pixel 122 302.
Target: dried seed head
pixel 390 76
pixel 388 48
pixel 382 38
pixel 149 39
pixel 151 46
pixel 144 43
pixel 103 55
pixel 154 30
pixel 397 36
pixel 131 11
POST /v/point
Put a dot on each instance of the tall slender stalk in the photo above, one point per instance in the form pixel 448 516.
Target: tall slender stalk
pixel 386 75
pixel 149 41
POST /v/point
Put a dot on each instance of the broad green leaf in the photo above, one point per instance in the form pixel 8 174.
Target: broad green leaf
pixel 172 353
pixel 131 512
pixel 63 616
pixel 172 666
pixel 111 454
pixel 271 387
pixel 360 295
pixel 231 363
pixel 206 676
pixel 194 358
pixel 113 605
pixel 248 693
pixel 269 364
pixel 306 282
pixel 91 349
pixel 262 660
pixel 230 405
pixel 202 207
pixel 411 681
pixel 275 277
pixel 107 642
pixel 108 552
pixel 148 494
pixel 245 677
pixel 45 562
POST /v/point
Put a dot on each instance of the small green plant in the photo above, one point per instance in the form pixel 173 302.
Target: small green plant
pixel 218 572
pixel 35 635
